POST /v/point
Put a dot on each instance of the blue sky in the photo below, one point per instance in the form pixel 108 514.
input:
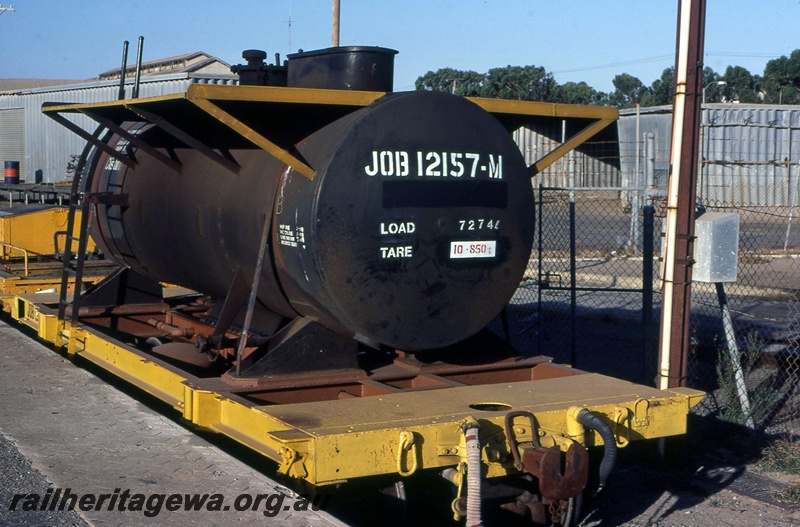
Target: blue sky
pixel 589 40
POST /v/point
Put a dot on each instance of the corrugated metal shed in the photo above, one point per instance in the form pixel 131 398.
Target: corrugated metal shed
pixel 596 162
pixel 47 146
pixel 750 152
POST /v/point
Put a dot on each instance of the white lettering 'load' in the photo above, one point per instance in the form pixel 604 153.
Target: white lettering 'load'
pixel 400 227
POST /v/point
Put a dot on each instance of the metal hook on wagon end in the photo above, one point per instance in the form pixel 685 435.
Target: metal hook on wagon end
pixel 406 445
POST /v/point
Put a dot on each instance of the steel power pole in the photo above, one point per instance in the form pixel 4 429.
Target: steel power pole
pixel 678 258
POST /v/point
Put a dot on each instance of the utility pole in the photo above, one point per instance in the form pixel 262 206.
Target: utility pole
pixel 679 243
pixel 4 9
pixel 335 28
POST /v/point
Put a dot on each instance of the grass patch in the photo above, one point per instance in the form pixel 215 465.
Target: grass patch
pixel 789 494
pixel 782 456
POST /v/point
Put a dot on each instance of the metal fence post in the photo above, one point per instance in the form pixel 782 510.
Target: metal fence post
pixel 573 263
pixel 792 192
pixel 638 189
pixel 649 366
pixel 650 164
pixel 540 248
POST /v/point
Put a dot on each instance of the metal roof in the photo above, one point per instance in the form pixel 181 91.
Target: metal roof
pixel 186 63
pixel 27 84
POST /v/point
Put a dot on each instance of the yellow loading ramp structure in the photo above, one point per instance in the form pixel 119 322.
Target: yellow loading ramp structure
pixel 410 420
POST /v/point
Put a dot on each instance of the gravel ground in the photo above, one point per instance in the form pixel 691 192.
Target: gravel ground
pixel 641 497
pixel 18 477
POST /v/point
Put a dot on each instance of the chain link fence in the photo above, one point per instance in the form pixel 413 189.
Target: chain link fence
pixel 588 295
pixel 591 294
pixel 761 340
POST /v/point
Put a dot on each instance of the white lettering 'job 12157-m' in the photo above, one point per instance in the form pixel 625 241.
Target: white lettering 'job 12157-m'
pixel 434 164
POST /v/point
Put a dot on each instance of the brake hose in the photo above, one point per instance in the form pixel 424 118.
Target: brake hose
pixel 590 420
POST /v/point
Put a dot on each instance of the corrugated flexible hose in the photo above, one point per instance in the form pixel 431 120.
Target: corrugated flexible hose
pixel 590 420
pixel 473 476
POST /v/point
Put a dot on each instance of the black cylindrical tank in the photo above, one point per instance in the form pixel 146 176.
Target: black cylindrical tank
pixel 414 232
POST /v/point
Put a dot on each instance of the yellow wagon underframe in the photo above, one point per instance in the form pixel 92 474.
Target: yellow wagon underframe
pixel 327 442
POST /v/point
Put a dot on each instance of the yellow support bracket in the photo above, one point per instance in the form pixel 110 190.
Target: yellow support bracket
pixel 545 109
pixel 292 463
pixel 253 136
pixel 577 139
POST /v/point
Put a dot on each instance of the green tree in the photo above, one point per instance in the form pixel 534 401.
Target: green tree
pixel 523 83
pixel 781 81
pixel 662 91
pixel 742 85
pixel 577 93
pixel 464 83
pixel 714 92
pixel 628 90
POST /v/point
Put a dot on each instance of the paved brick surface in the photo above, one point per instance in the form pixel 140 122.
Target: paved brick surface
pixel 85 435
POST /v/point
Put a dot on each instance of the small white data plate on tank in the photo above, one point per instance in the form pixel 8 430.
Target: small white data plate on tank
pixel 475 249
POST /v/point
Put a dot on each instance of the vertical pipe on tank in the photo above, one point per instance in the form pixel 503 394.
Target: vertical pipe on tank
pixel 138 76
pixel 122 71
pixel 335 29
